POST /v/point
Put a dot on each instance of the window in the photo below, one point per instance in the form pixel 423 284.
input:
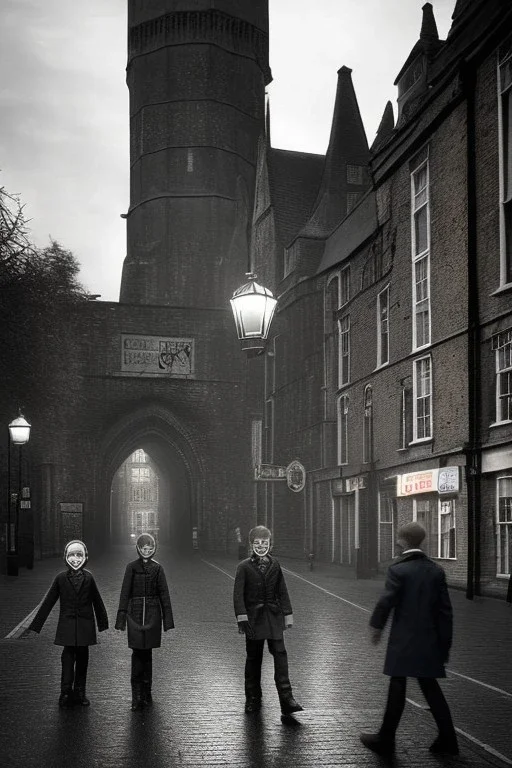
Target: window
pixel 422 399
pixel 437 516
pixel 140 473
pixel 387 526
pixel 405 435
pixel 344 286
pixel 344 346
pixel 505 145
pixel 368 425
pixel 383 327
pixel 343 430
pixel 420 257
pixel 502 346
pixel 504 525
pixel 139 457
pixel 355 174
pixel 352 198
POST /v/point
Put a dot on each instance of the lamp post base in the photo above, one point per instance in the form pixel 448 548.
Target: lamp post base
pixel 12 564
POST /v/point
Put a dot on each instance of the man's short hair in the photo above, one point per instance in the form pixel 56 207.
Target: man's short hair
pixel 412 533
pixel 259 532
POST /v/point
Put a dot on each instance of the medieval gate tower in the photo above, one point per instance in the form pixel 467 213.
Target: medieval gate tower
pixel 162 370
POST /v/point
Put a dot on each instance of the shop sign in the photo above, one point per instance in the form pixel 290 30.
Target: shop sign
pixel 295 476
pixel 355 484
pixel 442 481
pixel 269 472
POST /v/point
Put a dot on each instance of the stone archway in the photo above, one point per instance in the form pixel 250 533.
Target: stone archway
pixel 175 451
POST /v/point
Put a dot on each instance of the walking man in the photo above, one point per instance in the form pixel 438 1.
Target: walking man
pixel 419 640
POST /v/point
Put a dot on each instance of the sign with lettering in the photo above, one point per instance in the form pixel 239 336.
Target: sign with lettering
pixel 355 483
pixel 295 476
pixel 443 480
pixel 157 355
pixel 269 472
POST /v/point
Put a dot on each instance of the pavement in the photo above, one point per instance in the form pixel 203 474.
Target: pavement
pixel 198 715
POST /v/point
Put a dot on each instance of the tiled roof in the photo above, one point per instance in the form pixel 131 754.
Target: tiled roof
pixel 294 179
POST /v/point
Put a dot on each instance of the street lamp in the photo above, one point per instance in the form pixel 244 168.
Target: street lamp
pixel 19 434
pixel 253 309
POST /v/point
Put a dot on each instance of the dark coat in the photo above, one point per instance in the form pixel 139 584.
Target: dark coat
pixel 143 603
pixel 421 631
pixel 76 624
pixel 262 597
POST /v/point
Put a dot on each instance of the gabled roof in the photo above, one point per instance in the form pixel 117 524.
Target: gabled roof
pixel 294 179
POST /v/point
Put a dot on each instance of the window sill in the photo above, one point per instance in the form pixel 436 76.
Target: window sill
pixel 423 348
pixel 401 450
pixel 421 441
pixel 503 576
pixel 505 288
pixel 500 423
pixel 382 365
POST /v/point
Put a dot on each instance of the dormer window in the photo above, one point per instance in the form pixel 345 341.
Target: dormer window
pixel 412 75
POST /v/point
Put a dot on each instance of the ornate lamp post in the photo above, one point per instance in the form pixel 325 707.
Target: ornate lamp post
pixel 253 309
pixel 19 434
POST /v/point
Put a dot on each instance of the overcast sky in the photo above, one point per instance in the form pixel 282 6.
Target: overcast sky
pixel 64 103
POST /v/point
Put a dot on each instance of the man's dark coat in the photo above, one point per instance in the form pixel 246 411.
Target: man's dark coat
pixel 76 624
pixel 421 631
pixel 262 597
pixel 144 601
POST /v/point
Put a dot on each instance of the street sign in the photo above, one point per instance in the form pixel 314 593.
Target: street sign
pixel 295 476
pixel 269 472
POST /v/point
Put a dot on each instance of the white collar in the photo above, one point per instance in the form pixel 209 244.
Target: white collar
pixel 416 549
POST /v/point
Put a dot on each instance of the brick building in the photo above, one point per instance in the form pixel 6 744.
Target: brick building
pixel 389 372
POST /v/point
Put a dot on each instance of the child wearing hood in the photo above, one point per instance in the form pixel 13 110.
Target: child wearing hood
pixel 80 605
pixel 144 605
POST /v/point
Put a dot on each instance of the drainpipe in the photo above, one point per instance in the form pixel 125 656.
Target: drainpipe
pixel 473 449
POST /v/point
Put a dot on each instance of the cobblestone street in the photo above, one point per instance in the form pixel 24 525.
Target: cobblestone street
pixel 198 716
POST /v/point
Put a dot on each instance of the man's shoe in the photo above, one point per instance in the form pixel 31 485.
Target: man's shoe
pixel 252 705
pixel 66 699
pixel 376 743
pixel 444 746
pixel 80 697
pixel 289 706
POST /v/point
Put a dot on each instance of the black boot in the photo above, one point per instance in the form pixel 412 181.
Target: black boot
pixel 66 697
pixel 289 705
pixel 80 697
pixel 137 697
pixel 146 693
pixel 252 704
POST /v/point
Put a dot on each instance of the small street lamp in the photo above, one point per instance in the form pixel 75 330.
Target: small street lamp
pixel 19 434
pixel 253 309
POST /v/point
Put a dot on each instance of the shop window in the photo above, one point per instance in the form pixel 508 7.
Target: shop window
pixel 502 346
pixel 504 526
pixel 447 548
pixel 438 519
pixel 387 526
pixel 420 236
pixel 505 147
pixel 343 430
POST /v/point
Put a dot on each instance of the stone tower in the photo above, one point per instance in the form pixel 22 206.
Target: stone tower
pixel 196 73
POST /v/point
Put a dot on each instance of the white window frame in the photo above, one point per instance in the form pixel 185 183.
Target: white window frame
pixel 503 529
pixel 441 502
pixel 367 424
pixel 344 351
pixel 505 199
pixel 380 496
pixel 417 258
pixel 502 346
pixel 342 423
pixel 382 349
pixel 344 286
pixel 416 397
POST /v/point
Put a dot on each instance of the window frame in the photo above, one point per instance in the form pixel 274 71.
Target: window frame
pixel 507 370
pixel 504 149
pixel 420 256
pixel 343 367
pixel 435 536
pixel 501 572
pixel 368 424
pixel 415 398
pixel 380 362
pixel 343 404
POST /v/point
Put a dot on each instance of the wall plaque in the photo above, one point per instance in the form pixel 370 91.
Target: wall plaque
pixel 157 356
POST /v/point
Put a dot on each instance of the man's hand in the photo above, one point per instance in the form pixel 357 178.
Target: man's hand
pixel 375 635
pixel 244 628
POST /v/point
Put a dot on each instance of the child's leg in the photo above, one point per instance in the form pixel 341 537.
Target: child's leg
pixel 278 650
pixel 82 662
pixel 253 661
pixel 137 678
pixel 148 676
pixel 67 676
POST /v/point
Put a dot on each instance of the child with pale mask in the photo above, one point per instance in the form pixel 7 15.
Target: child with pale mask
pixel 81 608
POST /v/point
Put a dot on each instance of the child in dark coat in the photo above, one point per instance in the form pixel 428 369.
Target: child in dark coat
pixel 80 602
pixel 263 610
pixel 419 640
pixel 144 605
